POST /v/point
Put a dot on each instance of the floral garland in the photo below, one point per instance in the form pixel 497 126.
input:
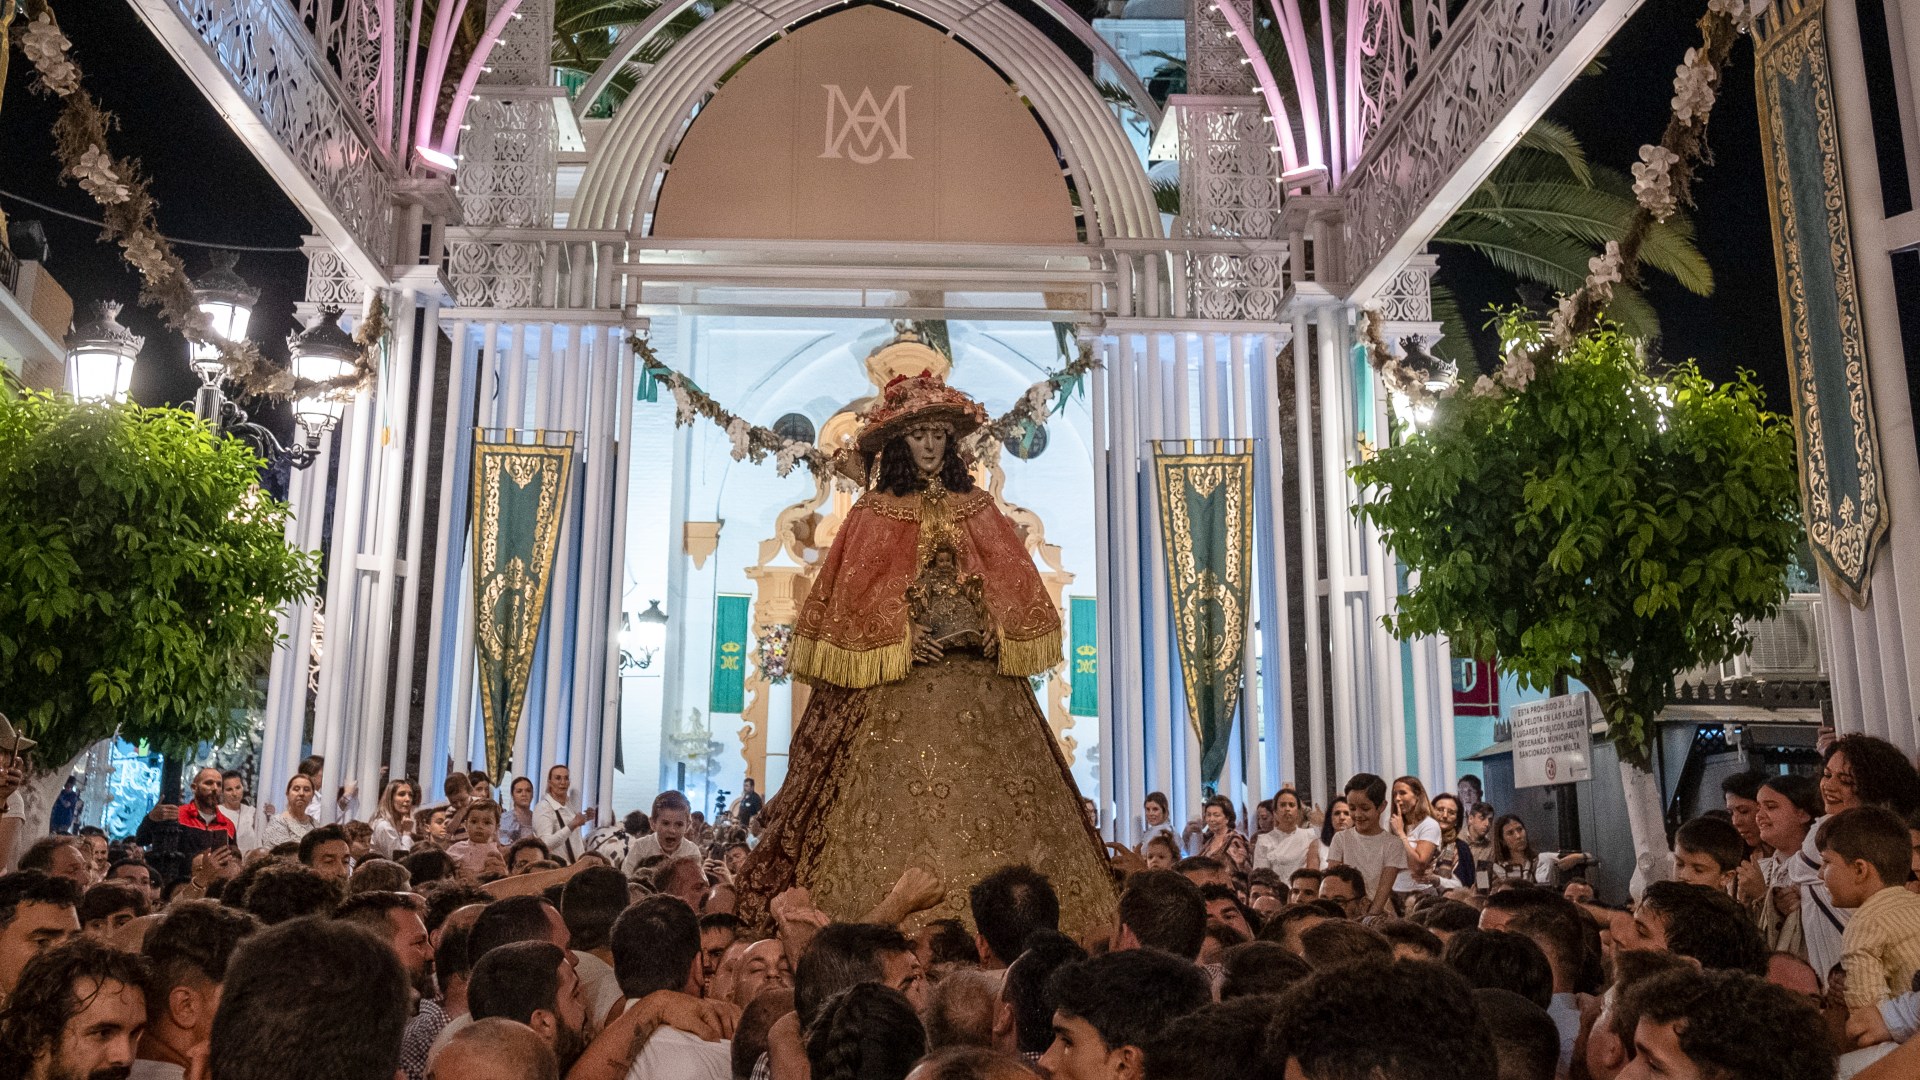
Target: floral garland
pixel 127 209
pixel 754 443
pixel 1662 181
pixel 771 650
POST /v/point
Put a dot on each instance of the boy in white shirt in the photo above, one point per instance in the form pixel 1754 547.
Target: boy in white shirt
pixel 1379 855
pixel 672 816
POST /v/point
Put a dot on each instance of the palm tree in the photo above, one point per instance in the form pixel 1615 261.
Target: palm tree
pixel 584 33
pixel 1542 214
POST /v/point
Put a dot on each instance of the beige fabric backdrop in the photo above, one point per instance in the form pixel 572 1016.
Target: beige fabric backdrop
pixel 866 125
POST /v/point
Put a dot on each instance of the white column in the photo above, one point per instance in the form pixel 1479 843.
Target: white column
pixel 1276 643
pixel 449 543
pixel 312 532
pixel 491 412
pixel 562 383
pixel 596 379
pixel 1894 632
pixel 416 536
pixel 378 626
pixel 1129 678
pixel 343 577
pixel 1113 755
pixel 610 706
pixel 1315 647
pixel 1336 426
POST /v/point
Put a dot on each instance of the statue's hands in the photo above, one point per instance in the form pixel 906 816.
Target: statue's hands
pixel 925 649
pixel 990 645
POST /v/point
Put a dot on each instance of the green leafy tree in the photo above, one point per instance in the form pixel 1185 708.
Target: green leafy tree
pixel 1593 520
pixel 144 570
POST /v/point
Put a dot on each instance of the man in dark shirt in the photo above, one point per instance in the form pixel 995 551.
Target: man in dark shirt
pixel 749 805
pixel 173 835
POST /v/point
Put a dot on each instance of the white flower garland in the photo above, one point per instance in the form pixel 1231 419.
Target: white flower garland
pixel 1653 182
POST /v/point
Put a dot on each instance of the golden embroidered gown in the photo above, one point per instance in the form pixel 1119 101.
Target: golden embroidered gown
pixel 949 766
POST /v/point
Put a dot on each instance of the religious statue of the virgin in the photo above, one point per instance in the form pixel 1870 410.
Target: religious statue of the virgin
pixel 922 744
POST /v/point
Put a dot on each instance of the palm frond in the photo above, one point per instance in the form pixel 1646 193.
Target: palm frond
pixel 1548 137
pixel 1166 196
pixel 1529 254
pixel 1454 343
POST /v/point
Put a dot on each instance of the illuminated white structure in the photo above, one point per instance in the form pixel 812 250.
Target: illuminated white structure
pixel 764 252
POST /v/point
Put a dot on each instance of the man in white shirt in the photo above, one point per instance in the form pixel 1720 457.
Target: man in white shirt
pixel 656 946
pixel 672 816
pixel 233 806
pixel 556 823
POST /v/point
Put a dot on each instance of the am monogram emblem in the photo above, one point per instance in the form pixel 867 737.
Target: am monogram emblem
pixel 866 131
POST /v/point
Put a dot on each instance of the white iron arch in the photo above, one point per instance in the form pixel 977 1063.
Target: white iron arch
pixel 633 38
pixel 621 180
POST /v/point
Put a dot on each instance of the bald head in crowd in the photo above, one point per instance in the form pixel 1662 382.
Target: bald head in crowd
pixel 494 1049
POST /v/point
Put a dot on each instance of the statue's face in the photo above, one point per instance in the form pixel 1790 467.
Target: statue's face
pixel 928 445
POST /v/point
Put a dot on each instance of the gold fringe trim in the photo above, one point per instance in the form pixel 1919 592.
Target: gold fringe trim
pixel 822 661
pixel 1030 657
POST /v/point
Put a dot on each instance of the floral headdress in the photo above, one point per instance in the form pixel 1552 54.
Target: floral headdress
pixel 917 399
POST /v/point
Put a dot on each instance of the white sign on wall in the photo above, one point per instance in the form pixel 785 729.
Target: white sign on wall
pixel 1551 740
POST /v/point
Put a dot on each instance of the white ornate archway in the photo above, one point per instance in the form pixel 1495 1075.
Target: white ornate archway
pixel 622 181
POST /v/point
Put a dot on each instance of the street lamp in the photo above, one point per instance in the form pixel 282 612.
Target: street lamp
pixel 321 353
pixel 226 300
pixel 100 355
pixel 1435 375
pixel 642 637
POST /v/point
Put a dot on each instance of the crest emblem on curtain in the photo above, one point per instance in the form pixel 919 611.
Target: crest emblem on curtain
pixel 519 500
pixel 1206 529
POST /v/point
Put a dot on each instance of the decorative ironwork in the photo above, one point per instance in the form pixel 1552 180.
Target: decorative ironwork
pixel 1241 286
pixel 269 56
pixel 493 274
pixel 1409 297
pixel 331 280
pixel 506 167
pixel 1496 51
pixel 1216 65
pixel 520 57
pixel 1228 176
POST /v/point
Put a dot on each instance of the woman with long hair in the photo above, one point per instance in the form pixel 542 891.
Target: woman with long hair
pixel 1785 809
pixel 1412 821
pixel 518 821
pixel 393 821
pixel 1290 845
pixel 1857 770
pixel 922 743
pixel 1454 859
pixel 291 824
pixel 1514 857
pixel 1156 817
pixel 1339 817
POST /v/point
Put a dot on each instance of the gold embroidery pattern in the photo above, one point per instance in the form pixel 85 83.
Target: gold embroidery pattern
pixel 505 639
pixel 955 770
pixel 1844 533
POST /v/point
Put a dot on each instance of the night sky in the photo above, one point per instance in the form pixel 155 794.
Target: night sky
pixel 210 188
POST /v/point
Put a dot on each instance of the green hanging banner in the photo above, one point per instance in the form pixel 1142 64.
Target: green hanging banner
pixel 1085 650
pixel 1841 483
pixel 1206 532
pixel 519 500
pixel 729 693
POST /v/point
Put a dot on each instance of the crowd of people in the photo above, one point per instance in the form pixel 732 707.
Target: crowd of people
pixel 1391 935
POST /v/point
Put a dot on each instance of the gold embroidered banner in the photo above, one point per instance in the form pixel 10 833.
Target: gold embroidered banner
pixel 519 497
pixel 1839 449
pixel 1206 531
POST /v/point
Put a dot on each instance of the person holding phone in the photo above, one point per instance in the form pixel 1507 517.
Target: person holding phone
pixel 558 825
pixel 13 776
pixel 173 835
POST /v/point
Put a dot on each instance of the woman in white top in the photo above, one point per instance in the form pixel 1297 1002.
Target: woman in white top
pixel 393 822
pixel 1154 813
pixel 1290 845
pixel 1413 823
pixel 1515 860
pixel 292 823
pixel 517 824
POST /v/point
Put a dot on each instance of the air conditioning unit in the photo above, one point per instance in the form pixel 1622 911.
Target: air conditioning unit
pixel 1791 645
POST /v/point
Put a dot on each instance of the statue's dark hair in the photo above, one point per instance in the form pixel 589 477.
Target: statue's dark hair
pixel 899 476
